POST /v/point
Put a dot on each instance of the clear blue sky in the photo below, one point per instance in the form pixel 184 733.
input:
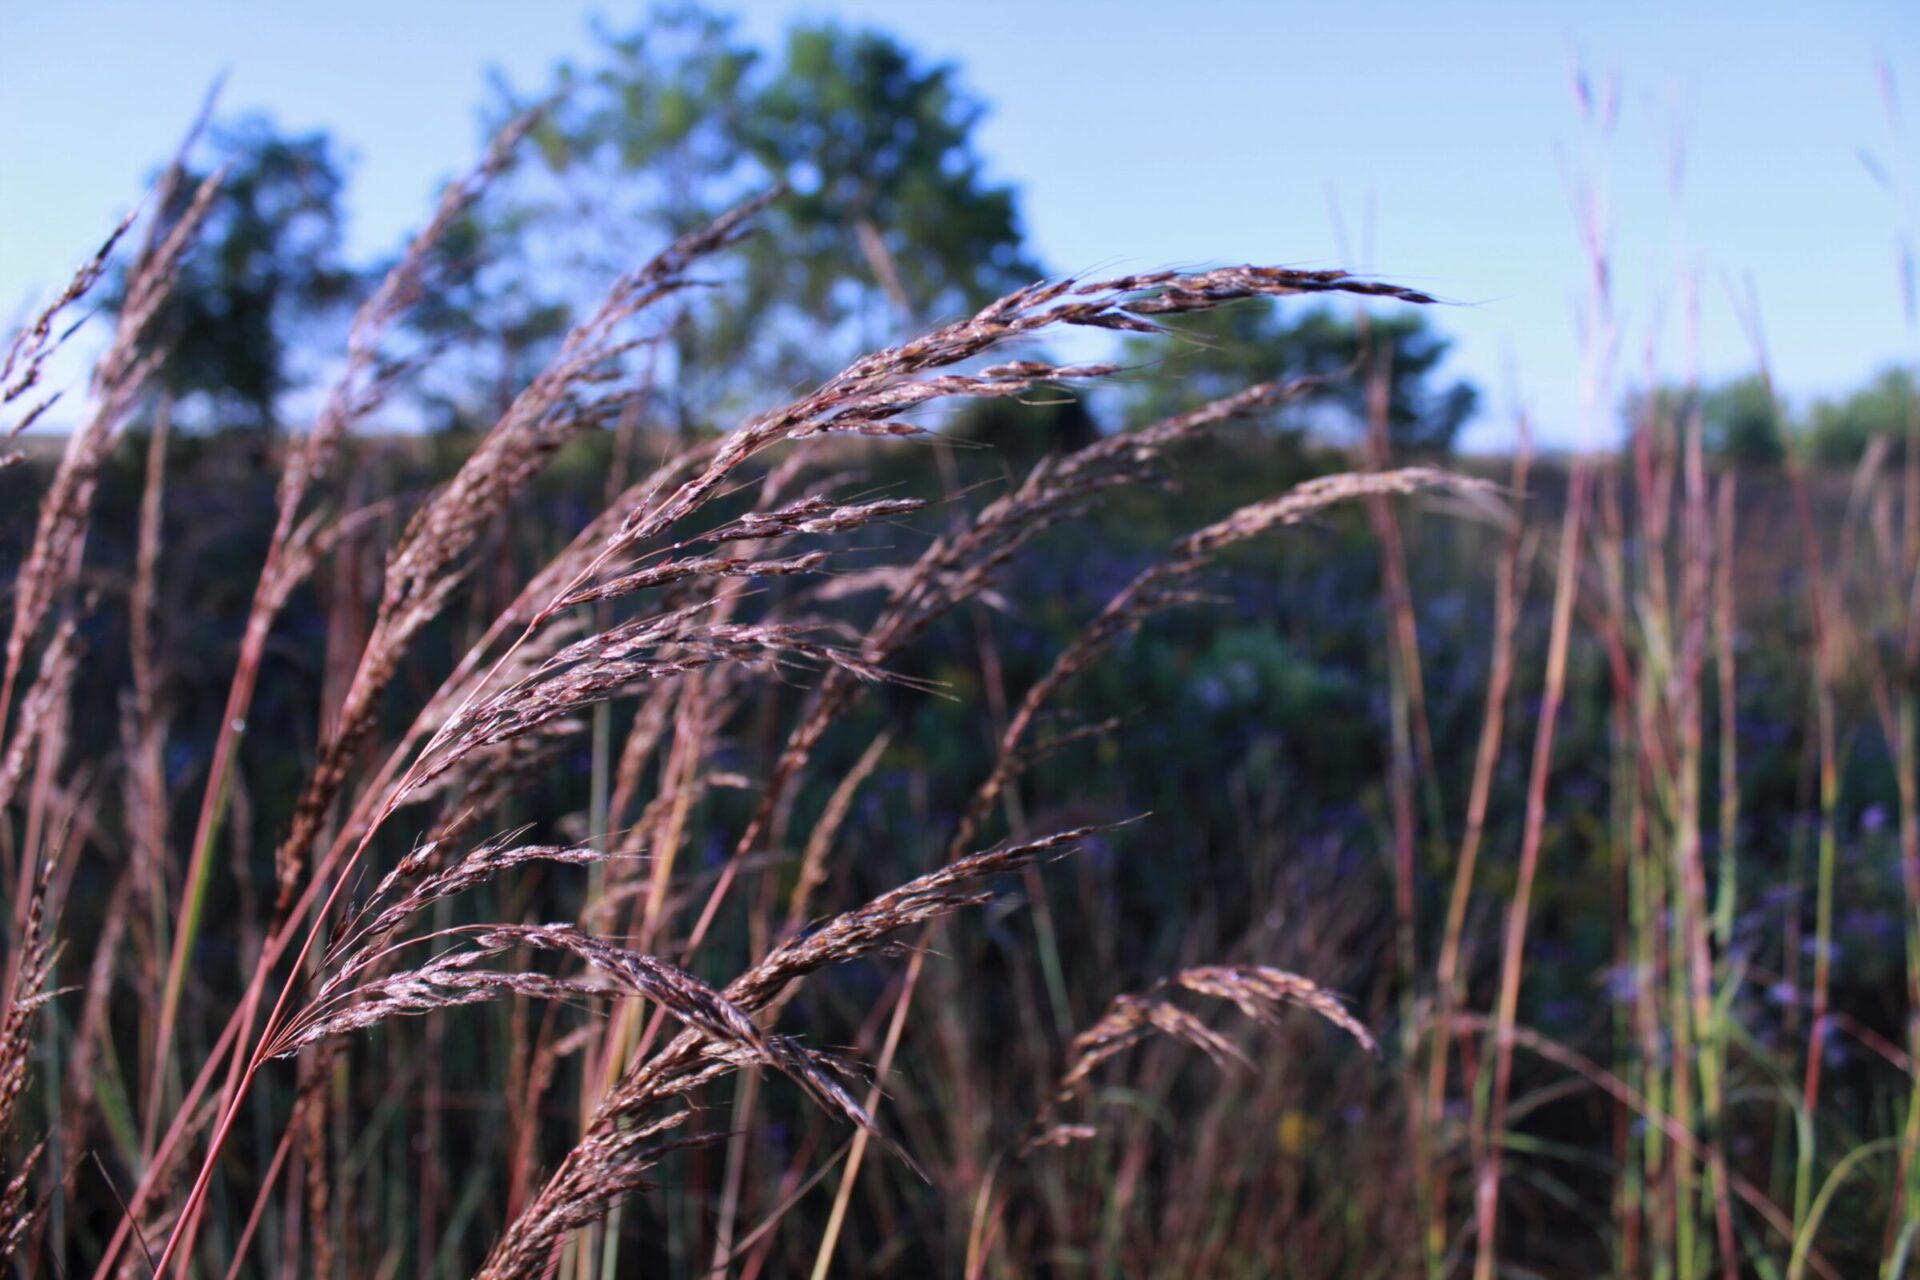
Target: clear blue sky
pixel 1144 134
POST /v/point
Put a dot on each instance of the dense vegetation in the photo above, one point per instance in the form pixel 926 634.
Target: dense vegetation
pixel 450 705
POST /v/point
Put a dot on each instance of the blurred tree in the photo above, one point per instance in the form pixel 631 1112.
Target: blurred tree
pixel 1226 350
pixel 268 264
pixel 1888 405
pixel 1742 422
pixel 494 329
pixel 674 121
pixel 1020 431
pixel 889 194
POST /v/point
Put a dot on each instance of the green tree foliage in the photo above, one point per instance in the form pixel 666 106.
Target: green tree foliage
pixel 649 132
pixel 494 324
pixel 1742 421
pixel 1019 431
pixel 269 264
pixel 1888 405
pixel 675 120
pixel 888 189
pixel 1232 348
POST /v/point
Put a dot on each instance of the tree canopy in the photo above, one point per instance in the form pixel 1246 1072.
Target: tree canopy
pixel 890 213
pixel 269 262
pixel 891 221
pixel 1743 420
pixel 1888 405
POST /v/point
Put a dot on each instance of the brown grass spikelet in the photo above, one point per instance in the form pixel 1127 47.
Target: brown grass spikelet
pixel 1258 991
pixel 119 378
pixel 18 1217
pixel 1166 583
pixel 609 1161
pixel 586 631
pixel 34 344
pixel 427 562
pixel 27 992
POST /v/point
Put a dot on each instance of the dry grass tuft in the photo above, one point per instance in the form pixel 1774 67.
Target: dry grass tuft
pixel 1259 992
pixel 690 614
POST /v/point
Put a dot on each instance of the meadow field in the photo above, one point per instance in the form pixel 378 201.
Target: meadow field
pixel 581 791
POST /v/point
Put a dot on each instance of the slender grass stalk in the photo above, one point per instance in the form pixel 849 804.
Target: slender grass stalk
pixel 1509 588
pixel 745 643
pixel 1826 730
pixel 1725 628
pixel 1810 1227
pixel 1406 702
pixel 1566 589
pixel 360 388
pixel 843 1194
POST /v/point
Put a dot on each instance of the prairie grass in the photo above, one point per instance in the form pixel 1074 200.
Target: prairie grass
pixel 507 894
pixel 646 603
